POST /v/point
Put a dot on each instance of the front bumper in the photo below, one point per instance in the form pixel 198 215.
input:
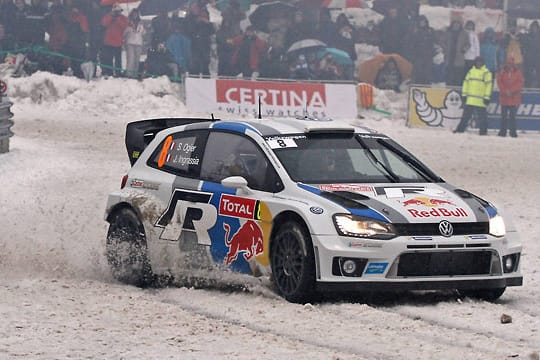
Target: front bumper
pixel 418 263
pixel 430 284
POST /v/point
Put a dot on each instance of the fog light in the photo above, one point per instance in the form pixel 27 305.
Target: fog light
pixel 510 262
pixel 348 266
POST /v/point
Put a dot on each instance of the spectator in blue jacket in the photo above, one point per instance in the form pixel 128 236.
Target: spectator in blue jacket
pixel 489 50
pixel 179 45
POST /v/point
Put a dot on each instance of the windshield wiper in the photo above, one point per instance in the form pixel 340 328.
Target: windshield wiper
pixel 420 168
pixel 390 175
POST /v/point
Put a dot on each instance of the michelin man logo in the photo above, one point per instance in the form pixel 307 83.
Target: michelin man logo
pixel 432 116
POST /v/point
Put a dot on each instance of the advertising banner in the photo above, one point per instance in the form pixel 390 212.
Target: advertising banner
pixel 278 99
pixel 443 107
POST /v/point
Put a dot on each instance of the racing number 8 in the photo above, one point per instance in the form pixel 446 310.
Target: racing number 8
pixel 164 151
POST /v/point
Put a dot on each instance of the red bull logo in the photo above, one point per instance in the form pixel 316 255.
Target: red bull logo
pixel 427 202
pixel 439 208
pixel 247 240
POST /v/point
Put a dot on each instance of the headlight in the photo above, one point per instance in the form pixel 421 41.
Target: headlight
pixel 350 225
pixel 496 226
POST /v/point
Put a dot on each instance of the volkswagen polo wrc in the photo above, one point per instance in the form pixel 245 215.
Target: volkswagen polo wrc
pixel 314 205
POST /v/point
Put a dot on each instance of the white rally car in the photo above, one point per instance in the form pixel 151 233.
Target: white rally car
pixel 314 205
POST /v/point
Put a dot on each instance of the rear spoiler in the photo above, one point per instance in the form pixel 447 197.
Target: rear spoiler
pixel 140 133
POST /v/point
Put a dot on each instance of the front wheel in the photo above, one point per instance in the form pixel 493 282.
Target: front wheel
pixel 293 263
pixel 484 294
pixel 126 249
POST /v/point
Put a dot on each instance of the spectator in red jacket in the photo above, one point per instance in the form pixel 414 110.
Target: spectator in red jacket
pixel 510 82
pixel 115 24
pixel 247 53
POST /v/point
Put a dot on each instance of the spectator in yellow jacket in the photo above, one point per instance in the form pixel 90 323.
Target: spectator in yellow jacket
pixel 476 92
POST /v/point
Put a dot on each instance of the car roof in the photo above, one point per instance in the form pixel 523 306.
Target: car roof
pixel 286 126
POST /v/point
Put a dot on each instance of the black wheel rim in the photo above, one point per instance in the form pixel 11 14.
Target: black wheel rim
pixel 287 262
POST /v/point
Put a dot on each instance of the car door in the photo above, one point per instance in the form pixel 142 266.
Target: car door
pixel 241 234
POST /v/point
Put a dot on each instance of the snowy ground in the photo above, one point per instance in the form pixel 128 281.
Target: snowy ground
pixel 58 301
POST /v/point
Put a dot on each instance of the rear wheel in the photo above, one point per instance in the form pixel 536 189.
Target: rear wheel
pixel 484 294
pixel 293 263
pixel 126 249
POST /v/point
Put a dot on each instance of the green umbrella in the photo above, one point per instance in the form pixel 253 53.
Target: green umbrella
pixel 341 57
pixel 222 4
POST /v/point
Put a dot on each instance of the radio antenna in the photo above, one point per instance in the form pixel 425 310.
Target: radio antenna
pixel 212 114
pixel 260 115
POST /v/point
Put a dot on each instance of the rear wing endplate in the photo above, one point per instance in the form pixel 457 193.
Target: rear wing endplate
pixel 140 133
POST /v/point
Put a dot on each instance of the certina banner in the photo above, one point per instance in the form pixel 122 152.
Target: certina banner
pixel 444 106
pixel 278 99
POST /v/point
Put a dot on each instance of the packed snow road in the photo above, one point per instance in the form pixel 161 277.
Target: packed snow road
pixel 58 301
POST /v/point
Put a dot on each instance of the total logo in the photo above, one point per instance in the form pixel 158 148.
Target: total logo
pixel 439 208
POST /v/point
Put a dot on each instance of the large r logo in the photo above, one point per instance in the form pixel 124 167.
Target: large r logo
pixel 188 211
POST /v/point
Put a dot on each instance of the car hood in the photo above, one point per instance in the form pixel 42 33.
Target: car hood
pixel 407 203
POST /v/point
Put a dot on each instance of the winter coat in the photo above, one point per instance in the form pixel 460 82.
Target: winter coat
pixel 179 46
pixel 489 50
pixel 257 48
pixel 114 29
pixel 55 26
pixel 477 86
pixel 474 49
pixel 134 34
pixel 76 28
pixel 513 49
pixel 457 44
pixel 510 82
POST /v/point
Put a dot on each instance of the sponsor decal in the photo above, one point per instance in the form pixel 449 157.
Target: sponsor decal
pixel 316 210
pixel 363 244
pixel 438 212
pixel 188 211
pixel 427 202
pixel 376 268
pixel 248 240
pixel 239 207
pixel 436 205
pixel 400 191
pixel 135 183
pixel 346 187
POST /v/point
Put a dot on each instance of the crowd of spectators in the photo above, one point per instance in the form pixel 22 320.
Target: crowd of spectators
pixel 80 31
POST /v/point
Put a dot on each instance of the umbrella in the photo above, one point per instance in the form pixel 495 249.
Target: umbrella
pixel 306 45
pixel 154 7
pixel 111 2
pixel 368 69
pixel 340 57
pixel 263 13
pixel 344 4
pixel 222 4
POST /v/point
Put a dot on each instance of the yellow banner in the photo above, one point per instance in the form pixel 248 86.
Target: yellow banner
pixel 434 107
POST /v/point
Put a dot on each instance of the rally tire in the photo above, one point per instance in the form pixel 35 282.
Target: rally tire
pixel 484 294
pixel 126 249
pixel 293 263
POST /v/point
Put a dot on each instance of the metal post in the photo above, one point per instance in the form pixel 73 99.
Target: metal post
pixel 5 118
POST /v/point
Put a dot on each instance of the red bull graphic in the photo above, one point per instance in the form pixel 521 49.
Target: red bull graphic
pixel 238 207
pixel 438 208
pixel 427 202
pixel 247 240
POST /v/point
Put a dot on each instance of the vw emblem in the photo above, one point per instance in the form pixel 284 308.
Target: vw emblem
pixel 445 228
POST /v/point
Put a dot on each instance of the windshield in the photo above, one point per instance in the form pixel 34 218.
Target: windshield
pixel 359 158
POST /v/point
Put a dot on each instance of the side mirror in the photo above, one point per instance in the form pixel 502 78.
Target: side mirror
pixel 236 182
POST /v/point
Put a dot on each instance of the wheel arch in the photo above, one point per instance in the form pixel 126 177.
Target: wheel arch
pixel 283 218
pixel 119 206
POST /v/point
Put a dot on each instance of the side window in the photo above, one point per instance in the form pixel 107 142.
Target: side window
pixel 180 153
pixel 235 155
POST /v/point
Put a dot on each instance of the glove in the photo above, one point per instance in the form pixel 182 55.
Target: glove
pixel 486 102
